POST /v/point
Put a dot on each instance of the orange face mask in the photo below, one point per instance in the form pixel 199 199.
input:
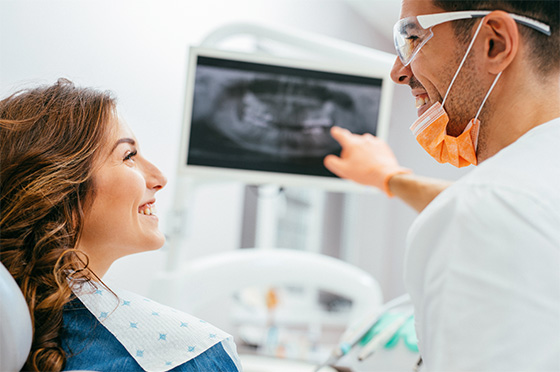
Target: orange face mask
pixel 430 129
pixel 431 134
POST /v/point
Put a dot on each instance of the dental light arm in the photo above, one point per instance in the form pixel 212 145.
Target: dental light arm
pixel 306 41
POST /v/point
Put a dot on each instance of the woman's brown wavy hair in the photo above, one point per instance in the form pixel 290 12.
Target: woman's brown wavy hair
pixel 50 139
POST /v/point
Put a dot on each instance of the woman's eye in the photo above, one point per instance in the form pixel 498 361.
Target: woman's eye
pixel 129 156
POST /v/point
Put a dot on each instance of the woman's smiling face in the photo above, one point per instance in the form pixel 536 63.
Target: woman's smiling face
pixel 121 218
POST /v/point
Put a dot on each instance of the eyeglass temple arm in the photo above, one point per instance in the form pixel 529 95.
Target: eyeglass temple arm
pixel 430 20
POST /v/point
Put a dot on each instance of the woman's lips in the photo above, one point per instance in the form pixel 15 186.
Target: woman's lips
pixel 147 209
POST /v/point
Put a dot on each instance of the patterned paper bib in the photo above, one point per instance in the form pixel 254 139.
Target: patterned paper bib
pixel 158 337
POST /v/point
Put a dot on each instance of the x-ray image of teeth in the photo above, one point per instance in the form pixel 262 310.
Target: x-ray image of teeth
pixel 272 121
pixel 286 119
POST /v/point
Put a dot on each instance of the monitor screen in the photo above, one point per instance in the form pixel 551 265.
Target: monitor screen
pixel 265 120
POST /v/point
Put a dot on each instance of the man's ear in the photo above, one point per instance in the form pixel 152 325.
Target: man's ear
pixel 501 41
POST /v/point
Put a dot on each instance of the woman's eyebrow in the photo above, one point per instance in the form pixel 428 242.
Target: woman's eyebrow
pixel 123 140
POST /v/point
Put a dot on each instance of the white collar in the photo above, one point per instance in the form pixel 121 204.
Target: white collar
pixel 158 337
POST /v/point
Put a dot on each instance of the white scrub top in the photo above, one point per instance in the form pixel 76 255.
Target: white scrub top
pixel 483 263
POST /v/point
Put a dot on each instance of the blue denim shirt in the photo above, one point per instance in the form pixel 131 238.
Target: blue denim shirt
pixel 90 346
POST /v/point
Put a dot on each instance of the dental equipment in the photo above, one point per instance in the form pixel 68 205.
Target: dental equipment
pixel 355 334
pixel 383 337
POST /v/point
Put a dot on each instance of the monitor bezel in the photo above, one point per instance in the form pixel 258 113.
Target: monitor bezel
pixel 379 70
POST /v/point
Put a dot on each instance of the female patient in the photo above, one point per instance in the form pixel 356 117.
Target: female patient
pixel 75 195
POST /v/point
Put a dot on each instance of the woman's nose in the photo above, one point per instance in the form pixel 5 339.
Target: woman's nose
pixel 155 179
pixel 401 74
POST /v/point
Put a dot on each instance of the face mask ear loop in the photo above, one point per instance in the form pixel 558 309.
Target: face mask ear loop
pixel 488 94
pixel 462 62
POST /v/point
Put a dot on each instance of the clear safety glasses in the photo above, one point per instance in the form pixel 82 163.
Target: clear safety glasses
pixel 411 33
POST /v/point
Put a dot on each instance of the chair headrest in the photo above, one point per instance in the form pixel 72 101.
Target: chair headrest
pixel 15 324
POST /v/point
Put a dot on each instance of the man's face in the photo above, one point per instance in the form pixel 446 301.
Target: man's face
pixel 431 71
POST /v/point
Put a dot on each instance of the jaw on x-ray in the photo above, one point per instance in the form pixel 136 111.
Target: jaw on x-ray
pixel 265 119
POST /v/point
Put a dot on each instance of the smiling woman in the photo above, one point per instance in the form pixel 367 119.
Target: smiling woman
pixel 76 193
pixel 121 219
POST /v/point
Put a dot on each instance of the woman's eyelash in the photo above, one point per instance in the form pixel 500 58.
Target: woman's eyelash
pixel 130 155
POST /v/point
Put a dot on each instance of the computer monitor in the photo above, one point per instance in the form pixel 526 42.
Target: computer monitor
pixel 261 119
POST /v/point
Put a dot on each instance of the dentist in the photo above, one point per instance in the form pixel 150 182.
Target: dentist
pixel 483 258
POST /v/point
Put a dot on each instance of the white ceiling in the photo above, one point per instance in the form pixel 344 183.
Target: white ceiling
pixel 382 14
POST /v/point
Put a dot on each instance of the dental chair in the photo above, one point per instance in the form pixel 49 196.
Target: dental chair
pixel 16 333
pixel 15 324
pixel 221 276
pixel 200 280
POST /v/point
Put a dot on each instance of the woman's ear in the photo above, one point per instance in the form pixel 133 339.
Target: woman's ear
pixel 501 41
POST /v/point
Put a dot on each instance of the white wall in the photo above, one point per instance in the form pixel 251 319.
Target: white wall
pixel 137 49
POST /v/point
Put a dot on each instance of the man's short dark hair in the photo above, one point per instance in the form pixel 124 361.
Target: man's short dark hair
pixel 545 50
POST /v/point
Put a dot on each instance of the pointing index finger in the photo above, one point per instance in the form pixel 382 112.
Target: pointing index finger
pixel 341 135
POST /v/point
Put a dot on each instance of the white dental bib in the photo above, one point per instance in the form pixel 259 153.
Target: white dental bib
pixel 158 337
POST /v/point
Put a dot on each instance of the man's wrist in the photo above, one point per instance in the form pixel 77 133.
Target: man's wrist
pixel 389 176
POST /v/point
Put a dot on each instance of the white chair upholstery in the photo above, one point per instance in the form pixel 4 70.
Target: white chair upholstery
pixel 15 324
pixel 201 281
pixel 223 274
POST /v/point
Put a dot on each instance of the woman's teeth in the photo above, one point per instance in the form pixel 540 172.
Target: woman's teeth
pixel 148 210
pixel 421 101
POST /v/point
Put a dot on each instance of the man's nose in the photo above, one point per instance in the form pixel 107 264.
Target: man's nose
pixel 401 74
